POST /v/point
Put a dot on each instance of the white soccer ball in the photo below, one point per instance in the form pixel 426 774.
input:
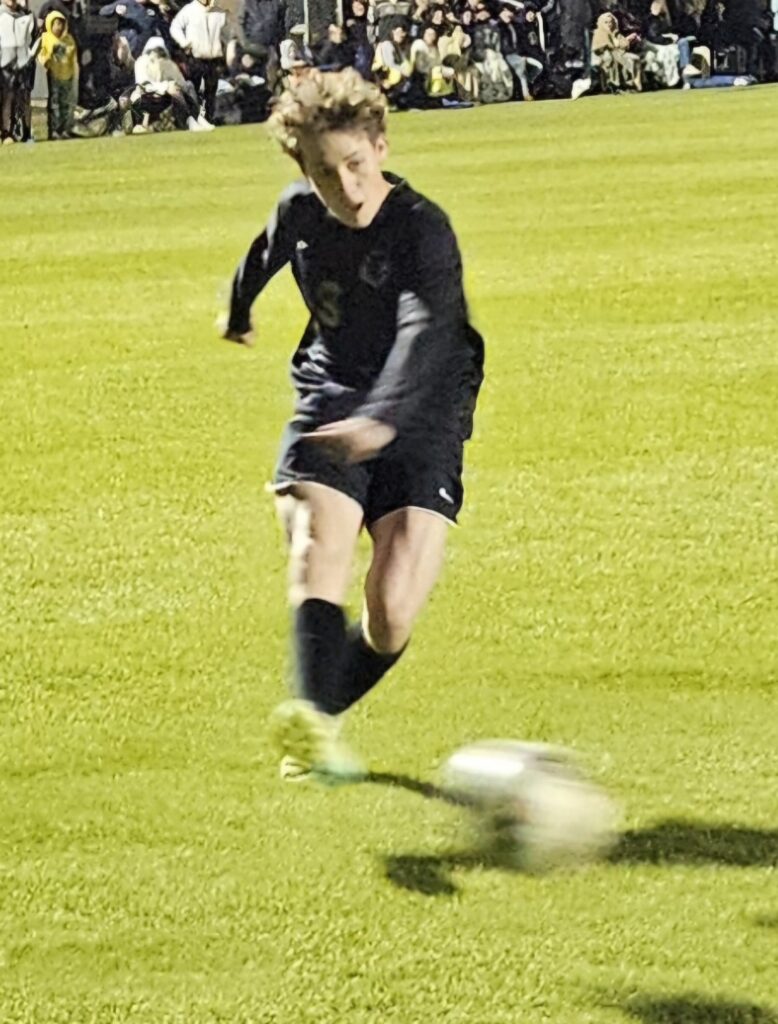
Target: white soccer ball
pixel 532 806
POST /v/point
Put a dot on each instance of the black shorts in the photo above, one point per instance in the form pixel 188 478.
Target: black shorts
pixel 427 476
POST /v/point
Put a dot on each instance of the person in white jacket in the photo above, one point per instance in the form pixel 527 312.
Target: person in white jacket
pixel 18 46
pixel 198 29
pixel 160 85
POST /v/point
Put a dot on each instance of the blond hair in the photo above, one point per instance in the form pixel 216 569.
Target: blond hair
pixel 325 101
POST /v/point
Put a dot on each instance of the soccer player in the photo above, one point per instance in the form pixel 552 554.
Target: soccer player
pixel 386 376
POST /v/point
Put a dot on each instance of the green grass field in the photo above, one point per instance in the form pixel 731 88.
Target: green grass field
pixel 613 587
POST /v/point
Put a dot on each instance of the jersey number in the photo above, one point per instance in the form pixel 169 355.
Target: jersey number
pixel 328 304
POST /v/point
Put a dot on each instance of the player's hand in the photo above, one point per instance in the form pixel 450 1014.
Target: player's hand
pixel 247 338
pixel 355 439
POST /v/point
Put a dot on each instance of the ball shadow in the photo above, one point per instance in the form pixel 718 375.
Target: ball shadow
pixel 685 842
pixel 668 842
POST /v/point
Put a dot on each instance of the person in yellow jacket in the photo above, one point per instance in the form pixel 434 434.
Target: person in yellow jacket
pixel 59 57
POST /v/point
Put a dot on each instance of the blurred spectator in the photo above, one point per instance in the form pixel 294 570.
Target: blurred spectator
pixel 357 26
pixel 750 28
pixel 768 50
pixel 335 51
pixel 392 63
pixel 685 30
pixel 70 11
pixel 436 17
pixel 197 29
pixel 160 86
pixel 260 32
pixel 432 78
pixel 18 44
pixel 575 24
pixel 295 54
pixel 385 14
pixel 520 47
pixel 619 68
pixel 495 77
pixel 714 29
pixel 122 66
pixel 138 21
pixel 549 20
pixel 420 17
pixel 661 53
pixel 455 51
pixel 243 97
pixel 58 56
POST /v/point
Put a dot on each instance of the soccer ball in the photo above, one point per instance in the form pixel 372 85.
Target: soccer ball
pixel 532 807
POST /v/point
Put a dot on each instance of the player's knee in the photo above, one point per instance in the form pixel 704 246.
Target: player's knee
pixel 389 623
pixel 317 564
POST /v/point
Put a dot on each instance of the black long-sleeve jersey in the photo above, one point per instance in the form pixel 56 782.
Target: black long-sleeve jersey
pixel 388 336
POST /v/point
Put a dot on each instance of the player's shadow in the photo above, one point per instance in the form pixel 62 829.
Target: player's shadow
pixel 685 842
pixel 694 1009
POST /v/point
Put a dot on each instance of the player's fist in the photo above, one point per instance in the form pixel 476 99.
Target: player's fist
pixel 247 338
pixel 355 439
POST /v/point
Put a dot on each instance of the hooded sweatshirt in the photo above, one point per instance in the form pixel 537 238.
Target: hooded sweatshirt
pixel 154 65
pixel 607 36
pixel 199 27
pixel 58 53
pixel 17 37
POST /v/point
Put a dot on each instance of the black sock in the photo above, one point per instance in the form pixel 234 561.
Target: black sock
pixel 320 647
pixel 363 667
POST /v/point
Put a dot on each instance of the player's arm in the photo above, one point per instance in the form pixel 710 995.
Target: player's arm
pixel 268 253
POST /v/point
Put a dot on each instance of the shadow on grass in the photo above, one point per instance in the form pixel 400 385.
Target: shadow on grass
pixel 428 874
pixel 767 920
pixel 425 789
pixel 694 1009
pixel 668 842
pixel 685 842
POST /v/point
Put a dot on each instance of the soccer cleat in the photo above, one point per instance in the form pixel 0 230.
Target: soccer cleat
pixel 205 124
pixel 308 741
pixel 293 770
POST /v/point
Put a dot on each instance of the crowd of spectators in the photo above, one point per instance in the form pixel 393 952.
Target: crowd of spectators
pixel 132 66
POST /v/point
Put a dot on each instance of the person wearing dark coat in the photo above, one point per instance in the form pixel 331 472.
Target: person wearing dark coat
pixel 138 22
pixel 260 31
pixel 335 51
pixel 577 18
pixel 359 37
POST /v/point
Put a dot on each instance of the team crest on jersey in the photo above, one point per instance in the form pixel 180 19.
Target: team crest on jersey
pixel 375 269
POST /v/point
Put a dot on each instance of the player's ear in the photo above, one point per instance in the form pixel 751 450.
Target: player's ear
pixel 381 148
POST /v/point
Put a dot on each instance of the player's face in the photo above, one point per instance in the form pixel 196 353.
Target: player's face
pixel 344 168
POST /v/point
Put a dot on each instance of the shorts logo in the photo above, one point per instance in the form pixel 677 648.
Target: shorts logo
pixel 445 495
pixel 302 245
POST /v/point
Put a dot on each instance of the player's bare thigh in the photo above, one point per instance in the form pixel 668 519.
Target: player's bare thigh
pixel 408 552
pixel 322 526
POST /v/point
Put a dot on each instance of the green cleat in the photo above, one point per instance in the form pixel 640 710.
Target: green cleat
pixel 293 770
pixel 308 742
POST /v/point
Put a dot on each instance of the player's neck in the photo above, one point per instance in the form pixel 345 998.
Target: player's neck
pixel 372 207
